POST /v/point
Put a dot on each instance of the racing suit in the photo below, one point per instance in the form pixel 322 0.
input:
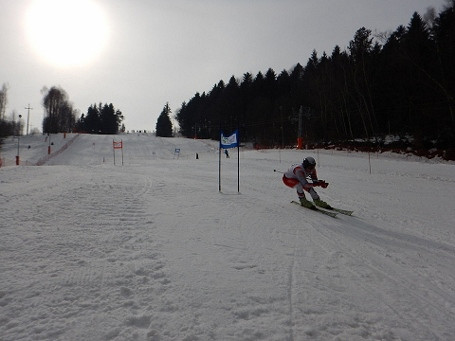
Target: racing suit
pixel 297 177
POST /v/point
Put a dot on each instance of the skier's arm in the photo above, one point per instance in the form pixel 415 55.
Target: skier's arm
pixel 300 174
pixel 316 181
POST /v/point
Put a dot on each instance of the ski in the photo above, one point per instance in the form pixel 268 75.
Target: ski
pixel 339 210
pixel 316 209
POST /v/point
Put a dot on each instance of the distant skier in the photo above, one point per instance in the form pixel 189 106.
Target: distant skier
pixel 298 176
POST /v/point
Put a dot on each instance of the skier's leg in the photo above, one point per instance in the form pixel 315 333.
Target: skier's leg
pixel 317 200
pixel 301 195
pixel 314 194
pixel 300 192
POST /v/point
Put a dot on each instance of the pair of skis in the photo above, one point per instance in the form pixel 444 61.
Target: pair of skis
pixel 330 212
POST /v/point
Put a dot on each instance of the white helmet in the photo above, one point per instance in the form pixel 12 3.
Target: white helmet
pixel 309 162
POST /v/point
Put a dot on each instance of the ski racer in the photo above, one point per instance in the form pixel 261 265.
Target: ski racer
pixel 298 176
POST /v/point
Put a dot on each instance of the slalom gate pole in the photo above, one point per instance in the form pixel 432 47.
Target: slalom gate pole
pixel 219 165
pixel 113 149
pixel 238 163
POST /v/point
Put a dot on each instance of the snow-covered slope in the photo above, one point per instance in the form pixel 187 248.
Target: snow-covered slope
pixel 151 250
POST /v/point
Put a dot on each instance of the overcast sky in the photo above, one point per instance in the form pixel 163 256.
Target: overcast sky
pixel 144 53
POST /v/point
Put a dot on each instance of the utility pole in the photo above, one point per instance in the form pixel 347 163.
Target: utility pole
pixel 18 142
pixel 28 116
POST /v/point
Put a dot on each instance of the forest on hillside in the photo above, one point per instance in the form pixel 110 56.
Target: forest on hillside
pixel 398 84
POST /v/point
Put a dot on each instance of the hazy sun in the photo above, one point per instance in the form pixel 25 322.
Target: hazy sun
pixel 67 32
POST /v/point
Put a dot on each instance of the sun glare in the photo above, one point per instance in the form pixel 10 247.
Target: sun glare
pixel 67 32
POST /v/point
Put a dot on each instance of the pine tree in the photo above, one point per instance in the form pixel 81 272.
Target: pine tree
pixel 101 119
pixel 164 124
pixel 110 119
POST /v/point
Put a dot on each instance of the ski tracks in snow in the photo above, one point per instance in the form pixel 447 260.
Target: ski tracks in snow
pixel 414 289
pixel 91 242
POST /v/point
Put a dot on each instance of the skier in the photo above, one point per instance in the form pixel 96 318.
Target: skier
pixel 297 177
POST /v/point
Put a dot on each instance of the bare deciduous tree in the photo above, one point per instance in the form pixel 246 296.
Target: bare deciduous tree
pixel 60 115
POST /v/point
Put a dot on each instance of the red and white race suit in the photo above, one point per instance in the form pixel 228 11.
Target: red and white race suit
pixel 297 177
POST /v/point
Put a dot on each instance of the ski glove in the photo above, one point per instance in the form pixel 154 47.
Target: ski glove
pixel 321 183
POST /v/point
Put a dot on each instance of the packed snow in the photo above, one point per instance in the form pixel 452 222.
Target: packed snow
pixel 152 250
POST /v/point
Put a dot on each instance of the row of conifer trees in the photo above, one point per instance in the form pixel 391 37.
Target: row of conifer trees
pixel 401 83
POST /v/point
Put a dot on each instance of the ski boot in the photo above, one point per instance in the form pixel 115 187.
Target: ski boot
pixel 307 204
pixel 323 204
